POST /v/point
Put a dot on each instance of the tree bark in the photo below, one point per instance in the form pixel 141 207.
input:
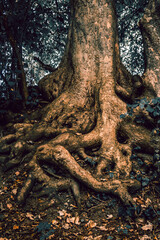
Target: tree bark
pixel 88 93
pixel 150 27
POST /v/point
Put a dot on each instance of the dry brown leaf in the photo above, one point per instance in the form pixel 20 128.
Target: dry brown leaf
pixel 109 216
pixel 140 220
pixel 17 173
pixel 51 237
pixel 91 224
pixel 98 237
pixel 9 205
pixel 70 220
pixel 30 216
pixel 1 192
pixel 103 228
pixel 66 226
pixel 15 227
pixel 54 222
pixel 148 226
pixel 148 202
pixel 62 213
pixel 145 237
pixel 5 239
pixel 77 222
pixel 14 191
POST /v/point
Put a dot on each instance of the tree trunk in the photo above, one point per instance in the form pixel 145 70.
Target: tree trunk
pixel 150 27
pixel 88 93
pixel 21 77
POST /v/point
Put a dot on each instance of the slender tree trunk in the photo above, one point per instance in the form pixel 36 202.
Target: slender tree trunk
pixel 150 27
pixel 21 78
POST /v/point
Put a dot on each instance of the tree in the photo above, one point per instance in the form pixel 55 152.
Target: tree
pixel 13 20
pixel 88 93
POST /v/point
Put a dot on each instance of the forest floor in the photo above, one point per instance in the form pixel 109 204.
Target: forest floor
pixel 102 217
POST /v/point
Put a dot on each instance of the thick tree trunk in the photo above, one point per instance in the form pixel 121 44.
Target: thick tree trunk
pixel 89 92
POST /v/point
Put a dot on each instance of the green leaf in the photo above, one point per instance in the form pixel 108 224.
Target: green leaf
pixel 155 101
pixel 156 113
pixel 145 181
pixel 149 109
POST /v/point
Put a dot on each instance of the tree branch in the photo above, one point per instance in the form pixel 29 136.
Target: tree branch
pixel 45 66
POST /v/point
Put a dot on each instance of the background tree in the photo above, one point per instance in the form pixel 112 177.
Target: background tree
pixel 13 20
pixel 130 37
pixel 29 29
pixel 88 93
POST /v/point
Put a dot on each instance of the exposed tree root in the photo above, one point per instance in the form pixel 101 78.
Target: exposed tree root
pixel 58 152
pixel 61 134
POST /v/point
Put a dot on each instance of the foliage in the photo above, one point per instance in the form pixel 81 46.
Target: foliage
pixel 91 161
pixel 151 106
pixel 44 229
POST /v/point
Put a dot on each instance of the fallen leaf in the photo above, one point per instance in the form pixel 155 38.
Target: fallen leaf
pixel 148 202
pixel 17 173
pixel 30 216
pixel 72 220
pixel 9 205
pixel 148 226
pixel 91 224
pixel 4 239
pixel 12 197
pixel 66 226
pixel 15 227
pixel 54 222
pixel 62 213
pixel 51 237
pixel 98 237
pixel 103 228
pixel 140 220
pixel 14 191
pixel 139 201
pixel 39 216
pixel 71 205
pixel 77 222
pixel 109 216
pixel 69 220
pixel 88 238
pixel 145 237
pixel 52 202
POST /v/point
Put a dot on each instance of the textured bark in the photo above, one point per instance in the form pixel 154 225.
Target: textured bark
pixel 150 27
pixel 88 93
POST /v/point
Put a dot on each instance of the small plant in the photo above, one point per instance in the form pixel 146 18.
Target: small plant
pixel 139 110
pixel 151 106
pixel 91 161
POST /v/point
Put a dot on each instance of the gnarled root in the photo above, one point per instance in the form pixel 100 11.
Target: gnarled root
pixel 66 141
pixel 59 155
